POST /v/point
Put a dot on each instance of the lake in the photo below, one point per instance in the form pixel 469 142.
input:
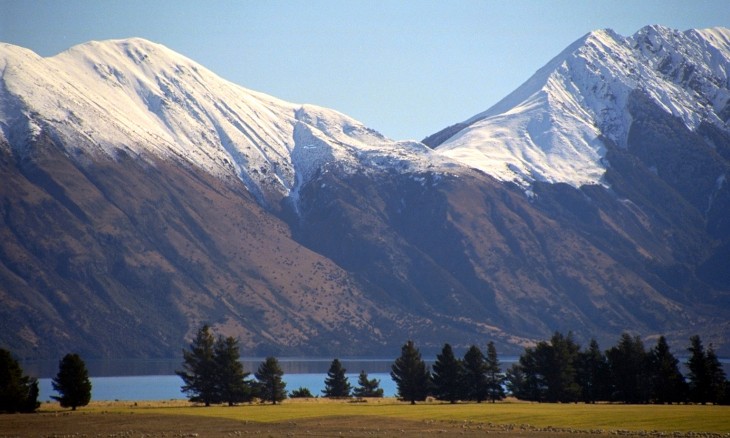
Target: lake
pixel 135 380
pixel 155 379
pixel 137 388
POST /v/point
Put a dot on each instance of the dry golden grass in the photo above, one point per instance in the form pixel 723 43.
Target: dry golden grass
pixel 380 417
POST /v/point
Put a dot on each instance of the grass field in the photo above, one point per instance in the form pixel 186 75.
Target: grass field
pixel 322 417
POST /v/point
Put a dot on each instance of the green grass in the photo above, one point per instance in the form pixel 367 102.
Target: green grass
pixel 607 417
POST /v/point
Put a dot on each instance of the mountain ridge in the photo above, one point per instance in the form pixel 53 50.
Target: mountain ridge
pixel 301 231
pixel 564 110
pixel 167 105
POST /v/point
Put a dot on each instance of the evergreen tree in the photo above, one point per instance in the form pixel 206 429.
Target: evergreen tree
pixel 593 374
pixel 516 382
pixel 493 371
pixel 718 381
pixel 699 375
pixel 336 385
pixel 707 380
pixel 72 382
pixel 271 387
pixel 232 386
pixel 410 374
pixel 448 376
pixel 628 362
pixel 199 372
pixel 548 371
pixel 560 369
pixel 725 400
pixel 527 381
pixel 475 379
pixel 18 393
pixel 31 403
pixel 301 392
pixel 367 387
pixel 667 383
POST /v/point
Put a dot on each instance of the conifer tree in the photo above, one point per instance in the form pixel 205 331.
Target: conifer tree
pixel 548 371
pixel 524 379
pixel 560 368
pixel 475 379
pixel 271 387
pixel 18 393
pixel 699 375
pixel 707 379
pixel 301 392
pixel 367 387
pixel 667 383
pixel 410 374
pixel 336 385
pixel 515 381
pixel 593 374
pixel 199 372
pixel 447 376
pixel 628 362
pixel 718 380
pixel 493 372
pixel 72 382
pixel 232 386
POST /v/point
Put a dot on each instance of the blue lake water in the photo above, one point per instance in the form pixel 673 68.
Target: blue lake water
pixel 135 380
pixel 135 388
pixel 155 379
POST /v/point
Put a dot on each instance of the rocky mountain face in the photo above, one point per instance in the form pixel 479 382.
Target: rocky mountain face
pixel 627 139
pixel 142 196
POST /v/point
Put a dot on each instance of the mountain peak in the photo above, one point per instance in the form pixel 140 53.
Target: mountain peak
pixel 135 50
pixel 141 97
pixel 604 34
pixel 552 128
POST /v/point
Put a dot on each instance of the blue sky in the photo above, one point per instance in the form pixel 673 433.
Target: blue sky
pixel 405 68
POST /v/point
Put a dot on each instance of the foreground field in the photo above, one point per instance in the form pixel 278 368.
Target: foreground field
pixel 375 417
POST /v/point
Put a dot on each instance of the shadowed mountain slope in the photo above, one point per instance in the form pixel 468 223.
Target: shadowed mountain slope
pixel 142 196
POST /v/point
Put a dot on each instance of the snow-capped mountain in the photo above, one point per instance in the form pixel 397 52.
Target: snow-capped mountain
pixel 142 195
pixel 143 98
pixel 553 128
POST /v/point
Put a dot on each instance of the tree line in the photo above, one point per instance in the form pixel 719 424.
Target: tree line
pixel 558 370
pixel 475 377
pixel 19 393
pixel 212 374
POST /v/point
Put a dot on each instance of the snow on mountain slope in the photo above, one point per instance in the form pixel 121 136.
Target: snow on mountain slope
pixel 551 128
pixel 150 101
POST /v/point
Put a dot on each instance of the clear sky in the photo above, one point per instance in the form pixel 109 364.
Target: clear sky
pixel 405 68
